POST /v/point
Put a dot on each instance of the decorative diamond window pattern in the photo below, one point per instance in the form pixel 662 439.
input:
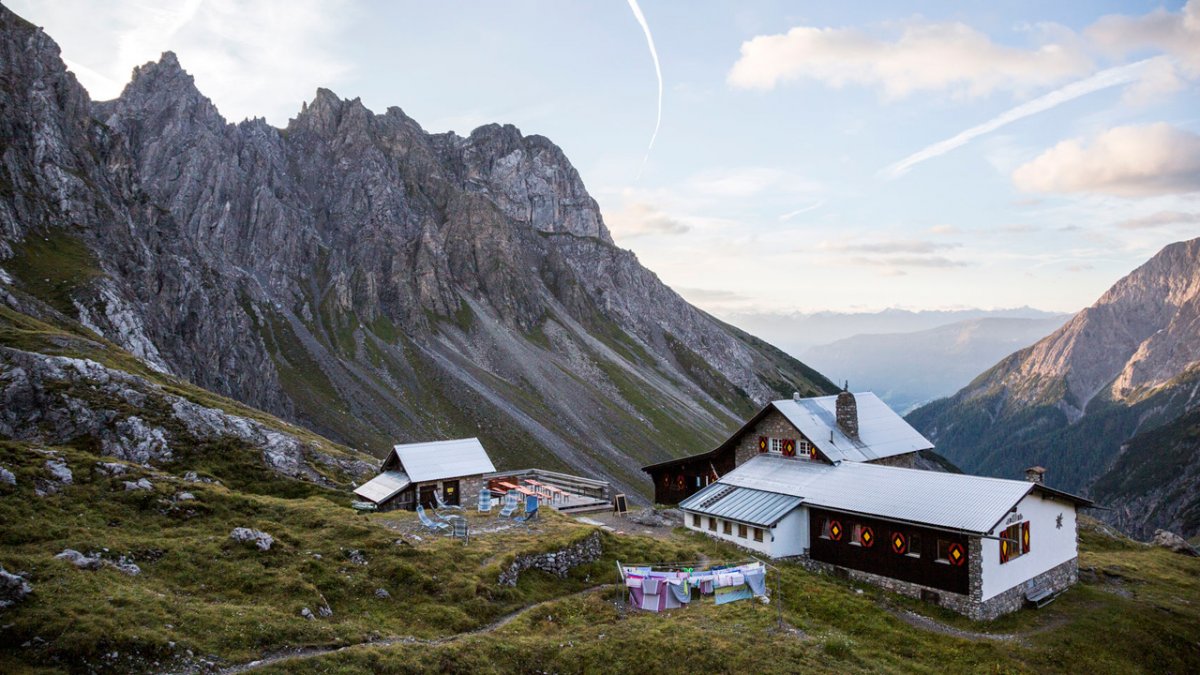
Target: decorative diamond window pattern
pixel 899 543
pixel 957 554
pixel 868 537
pixel 835 530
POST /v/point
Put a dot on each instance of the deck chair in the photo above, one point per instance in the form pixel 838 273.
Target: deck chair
pixel 485 501
pixel 441 504
pixel 432 525
pixel 531 509
pixel 510 506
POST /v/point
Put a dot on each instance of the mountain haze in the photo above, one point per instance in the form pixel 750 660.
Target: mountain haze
pixel 1107 402
pixel 908 369
pixel 359 276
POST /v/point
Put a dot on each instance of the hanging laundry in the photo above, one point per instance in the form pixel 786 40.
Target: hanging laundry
pixel 681 592
pixel 727 594
pixel 757 581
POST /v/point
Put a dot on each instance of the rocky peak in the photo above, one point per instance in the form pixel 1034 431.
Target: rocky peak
pixel 163 90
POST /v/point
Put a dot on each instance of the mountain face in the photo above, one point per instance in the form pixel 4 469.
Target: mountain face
pixel 1086 401
pixel 359 276
pixel 908 369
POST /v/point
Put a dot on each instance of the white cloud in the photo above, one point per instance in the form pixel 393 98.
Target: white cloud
pixel 1131 161
pixel 640 219
pixel 1160 219
pixel 925 57
pixel 1176 33
pixel 252 59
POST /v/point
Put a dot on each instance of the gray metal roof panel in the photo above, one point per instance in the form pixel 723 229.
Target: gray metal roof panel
pixel 383 487
pixel 744 505
pixel 956 501
pixel 443 459
pixel 881 432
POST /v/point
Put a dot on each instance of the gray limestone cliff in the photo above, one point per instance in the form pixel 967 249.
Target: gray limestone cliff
pixel 359 276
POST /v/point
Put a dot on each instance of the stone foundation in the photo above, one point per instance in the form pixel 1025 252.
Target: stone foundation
pixel 1057 579
pixel 558 563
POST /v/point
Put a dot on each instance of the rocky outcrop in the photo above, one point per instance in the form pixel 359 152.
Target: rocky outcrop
pixel 1173 542
pixel 360 276
pixel 56 400
pixel 1088 402
pixel 13 589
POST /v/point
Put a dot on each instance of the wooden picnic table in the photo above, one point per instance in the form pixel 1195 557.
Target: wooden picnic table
pixel 506 485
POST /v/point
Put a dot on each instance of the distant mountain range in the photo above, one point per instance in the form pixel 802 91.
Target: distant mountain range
pixel 796 332
pixel 361 277
pixel 910 368
pixel 1108 403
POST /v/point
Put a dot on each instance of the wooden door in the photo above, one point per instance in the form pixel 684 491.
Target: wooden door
pixel 425 496
pixel 450 493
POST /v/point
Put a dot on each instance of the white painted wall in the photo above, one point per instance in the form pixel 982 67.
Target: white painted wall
pixel 1049 545
pixel 788 537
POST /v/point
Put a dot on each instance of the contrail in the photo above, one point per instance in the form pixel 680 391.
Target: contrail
pixel 1101 80
pixel 641 19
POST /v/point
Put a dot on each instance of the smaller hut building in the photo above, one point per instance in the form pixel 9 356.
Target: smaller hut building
pixel 413 472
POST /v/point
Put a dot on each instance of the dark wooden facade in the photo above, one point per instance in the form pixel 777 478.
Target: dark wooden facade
pixel 679 479
pixel 883 555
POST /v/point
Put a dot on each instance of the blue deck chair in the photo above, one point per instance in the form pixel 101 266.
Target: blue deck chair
pixel 432 525
pixel 531 509
pixel 441 504
pixel 510 506
pixel 485 501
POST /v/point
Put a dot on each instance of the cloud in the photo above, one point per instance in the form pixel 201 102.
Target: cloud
pixel 750 181
pixel 640 220
pixel 1160 219
pixel 889 247
pixel 1102 80
pixel 1130 161
pixel 1175 33
pixel 932 261
pixel 641 19
pixel 925 57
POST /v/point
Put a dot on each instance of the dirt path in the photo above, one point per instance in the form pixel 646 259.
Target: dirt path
pixel 310 652
pixel 926 623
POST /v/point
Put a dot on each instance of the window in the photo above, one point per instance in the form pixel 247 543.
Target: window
pixel 803 449
pixel 1014 542
pixel 758 534
pixel 777 446
pixel 951 552
pixel 914 545
pixel 741 530
pixel 726 527
pixel 695 520
pixel 856 533
pixel 712 524
pixel 825 528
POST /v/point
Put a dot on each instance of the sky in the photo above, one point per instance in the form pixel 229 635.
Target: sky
pixel 768 157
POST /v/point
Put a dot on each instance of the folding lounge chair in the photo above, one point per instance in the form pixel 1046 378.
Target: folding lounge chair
pixel 432 525
pixel 441 504
pixel 531 509
pixel 485 501
pixel 510 506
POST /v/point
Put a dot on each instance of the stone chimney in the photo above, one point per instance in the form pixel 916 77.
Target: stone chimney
pixel 847 412
pixel 1036 474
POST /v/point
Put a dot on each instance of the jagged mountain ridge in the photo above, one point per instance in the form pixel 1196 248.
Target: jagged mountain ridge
pixel 1080 400
pixel 361 277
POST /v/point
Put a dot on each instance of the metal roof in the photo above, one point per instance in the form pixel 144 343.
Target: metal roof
pixel 744 505
pixel 443 459
pixel 383 487
pixel 950 500
pixel 881 432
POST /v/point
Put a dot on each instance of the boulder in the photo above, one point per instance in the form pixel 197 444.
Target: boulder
pixel 307 613
pixel 259 538
pixel 7 477
pixel 1173 542
pixel 80 560
pixel 60 471
pixel 382 594
pixel 139 484
pixel 13 589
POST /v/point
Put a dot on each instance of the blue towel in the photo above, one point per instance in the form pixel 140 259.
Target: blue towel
pixel 757 581
pixel 681 592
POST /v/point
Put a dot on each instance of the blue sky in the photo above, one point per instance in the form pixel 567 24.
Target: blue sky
pixel 778 180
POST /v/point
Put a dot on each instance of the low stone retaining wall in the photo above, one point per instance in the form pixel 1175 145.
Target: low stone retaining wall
pixel 558 563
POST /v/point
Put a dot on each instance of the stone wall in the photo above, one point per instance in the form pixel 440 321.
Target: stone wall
pixel 772 425
pixel 1056 579
pixel 558 563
